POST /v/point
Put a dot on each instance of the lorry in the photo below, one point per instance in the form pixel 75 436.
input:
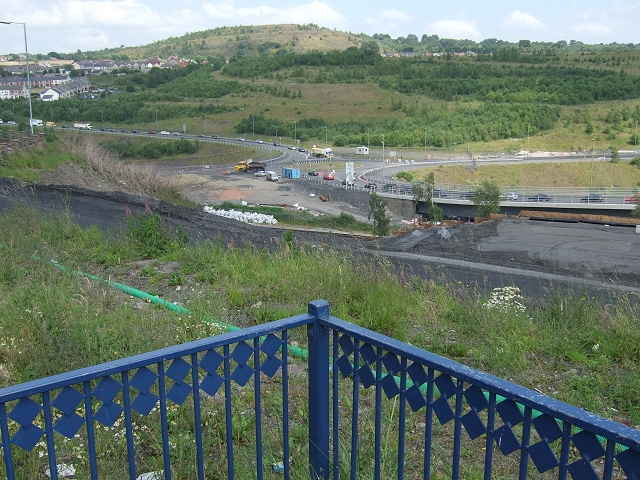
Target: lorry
pixel 248 166
pixel 272 176
pixel 36 122
pixel 82 126
pixel 321 152
pixel 50 124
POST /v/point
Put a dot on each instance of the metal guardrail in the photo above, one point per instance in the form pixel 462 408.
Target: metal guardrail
pixel 185 411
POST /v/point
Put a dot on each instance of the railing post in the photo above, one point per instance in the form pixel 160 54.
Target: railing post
pixel 318 391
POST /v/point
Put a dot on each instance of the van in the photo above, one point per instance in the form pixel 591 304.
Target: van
pixel 272 176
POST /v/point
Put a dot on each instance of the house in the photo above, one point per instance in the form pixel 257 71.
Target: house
pixel 362 150
pixel 13 91
pixel 75 87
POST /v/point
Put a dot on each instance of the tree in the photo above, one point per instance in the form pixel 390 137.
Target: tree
pixel 636 161
pixel 423 191
pixel 615 156
pixel 381 223
pixel 487 199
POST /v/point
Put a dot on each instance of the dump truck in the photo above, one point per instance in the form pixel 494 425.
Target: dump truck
pixel 248 166
pixel 321 152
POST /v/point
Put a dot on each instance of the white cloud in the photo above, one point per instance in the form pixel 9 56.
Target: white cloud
pixel 314 12
pixel 454 29
pixel 393 14
pixel 518 20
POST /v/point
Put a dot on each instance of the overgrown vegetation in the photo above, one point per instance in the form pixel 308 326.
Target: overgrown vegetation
pixel 487 199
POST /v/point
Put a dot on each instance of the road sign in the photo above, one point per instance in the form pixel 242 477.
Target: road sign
pixel 392 153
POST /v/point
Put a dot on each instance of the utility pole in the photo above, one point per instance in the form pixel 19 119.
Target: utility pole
pixel 425 143
pixel 325 137
pixel 295 136
pixel 368 144
pixel 593 143
pixel 26 57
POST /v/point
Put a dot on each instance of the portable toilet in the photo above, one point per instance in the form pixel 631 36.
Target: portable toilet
pixel 362 150
pixel 288 172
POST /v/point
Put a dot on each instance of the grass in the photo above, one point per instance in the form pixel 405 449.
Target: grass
pixel 538 174
pixel 569 346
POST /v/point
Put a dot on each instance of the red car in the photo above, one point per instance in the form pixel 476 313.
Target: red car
pixel 151 132
pixel 329 176
pixel 632 199
pixel 215 136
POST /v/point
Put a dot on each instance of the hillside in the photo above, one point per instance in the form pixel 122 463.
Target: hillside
pixel 242 40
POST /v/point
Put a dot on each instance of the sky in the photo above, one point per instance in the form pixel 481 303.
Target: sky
pixel 69 25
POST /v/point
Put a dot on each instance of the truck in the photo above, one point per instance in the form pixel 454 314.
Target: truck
pixel 82 126
pixel 50 124
pixel 272 176
pixel 36 122
pixel 321 152
pixel 248 166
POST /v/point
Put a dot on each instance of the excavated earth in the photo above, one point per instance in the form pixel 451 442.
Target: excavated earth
pixel 532 251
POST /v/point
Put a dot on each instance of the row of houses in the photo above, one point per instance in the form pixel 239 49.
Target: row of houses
pixel 468 53
pixel 56 87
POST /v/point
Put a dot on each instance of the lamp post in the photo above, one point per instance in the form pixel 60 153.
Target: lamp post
pixel 383 151
pixel 295 137
pixel 636 146
pixel 26 56
pixel 454 150
pixel 101 111
pixel 593 143
pixel 156 119
pixel 326 141
pixel 253 128
pixel 368 144
pixel 425 143
pixel 205 123
pixel 276 135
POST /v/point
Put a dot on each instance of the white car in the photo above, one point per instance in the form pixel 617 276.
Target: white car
pixel 260 173
pixel 240 139
pixel 509 196
pixel 164 132
pixel 291 147
pixel 259 141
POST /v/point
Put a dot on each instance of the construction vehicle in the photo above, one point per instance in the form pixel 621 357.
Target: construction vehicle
pixel 82 126
pixel 50 124
pixel 321 152
pixel 248 166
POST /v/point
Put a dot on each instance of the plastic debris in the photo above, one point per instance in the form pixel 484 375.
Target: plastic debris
pixel 246 217
pixel 444 233
pixel 64 470
pixel 151 476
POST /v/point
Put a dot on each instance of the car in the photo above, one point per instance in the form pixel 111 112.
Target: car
pixel 509 196
pixel 240 139
pixel 135 131
pixel 201 135
pixel 593 198
pixel 438 193
pixel 63 126
pixel 313 173
pixel 176 133
pixel 259 141
pixel 12 122
pixel 260 173
pixel 151 132
pixel 112 130
pixel 389 187
pixel 633 198
pixel 348 183
pixel 302 150
pixel 215 136
pixel 276 144
pixel 469 194
pixel 124 130
pixel 329 176
pixel 541 197
pixel 370 186
pixel 164 132
pixel 291 147
pixel 103 129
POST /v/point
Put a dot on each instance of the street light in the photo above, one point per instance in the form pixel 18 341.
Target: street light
pixel 325 137
pixel 276 135
pixel 425 143
pixel 368 144
pixel 254 126
pixel 101 111
pixel 156 119
pixel 26 56
pixel 593 143
pixel 383 149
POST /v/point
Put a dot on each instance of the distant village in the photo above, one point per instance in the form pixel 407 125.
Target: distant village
pixel 54 79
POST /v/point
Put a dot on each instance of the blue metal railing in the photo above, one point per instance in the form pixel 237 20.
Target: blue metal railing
pixel 316 412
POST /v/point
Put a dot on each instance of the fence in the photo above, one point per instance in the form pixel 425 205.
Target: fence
pixel 255 403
